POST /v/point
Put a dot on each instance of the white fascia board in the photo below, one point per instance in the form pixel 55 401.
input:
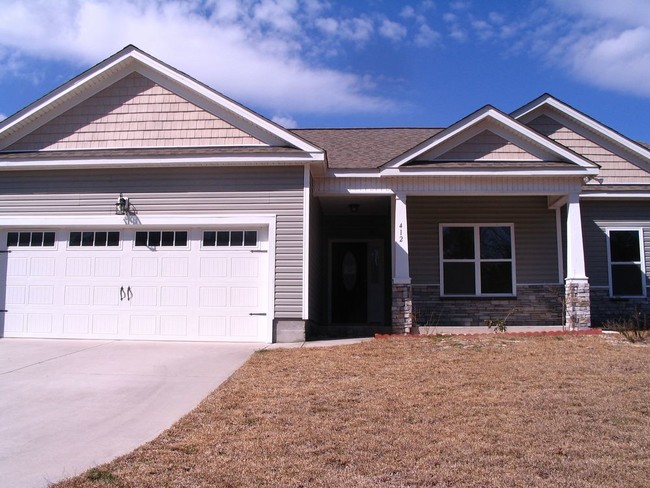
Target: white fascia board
pixel 585 120
pixel 615 196
pixel 493 114
pixel 416 172
pixel 156 162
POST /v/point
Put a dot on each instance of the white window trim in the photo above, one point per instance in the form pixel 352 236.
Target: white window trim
pixel 640 263
pixel 477 261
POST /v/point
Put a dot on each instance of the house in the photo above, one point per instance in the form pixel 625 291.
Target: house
pixel 138 203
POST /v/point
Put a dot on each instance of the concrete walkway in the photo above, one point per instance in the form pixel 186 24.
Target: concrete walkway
pixel 68 405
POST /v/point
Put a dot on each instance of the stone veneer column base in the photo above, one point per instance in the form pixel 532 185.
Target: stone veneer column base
pixel 577 304
pixel 402 309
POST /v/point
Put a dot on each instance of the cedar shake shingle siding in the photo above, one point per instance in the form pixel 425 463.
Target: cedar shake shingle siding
pixel 486 146
pixel 132 113
pixel 613 168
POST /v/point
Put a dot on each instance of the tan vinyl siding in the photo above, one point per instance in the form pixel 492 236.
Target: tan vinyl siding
pixel 614 169
pixel 596 218
pixel 134 112
pixel 534 233
pixel 192 191
pixel 487 146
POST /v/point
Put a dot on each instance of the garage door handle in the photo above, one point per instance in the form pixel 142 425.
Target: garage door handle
pixel 258 314
pixel 129 293
pixel 122 294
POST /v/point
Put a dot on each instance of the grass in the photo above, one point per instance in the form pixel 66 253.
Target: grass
pixel 483 411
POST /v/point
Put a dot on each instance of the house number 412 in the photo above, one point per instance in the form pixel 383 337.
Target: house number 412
pixel 401 233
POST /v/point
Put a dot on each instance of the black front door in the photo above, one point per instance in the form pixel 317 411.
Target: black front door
pixel 349 283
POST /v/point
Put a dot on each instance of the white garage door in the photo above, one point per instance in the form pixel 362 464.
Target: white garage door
pixel 162 284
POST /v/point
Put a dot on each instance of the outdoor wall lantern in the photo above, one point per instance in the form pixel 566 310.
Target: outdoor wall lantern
pixel 122 205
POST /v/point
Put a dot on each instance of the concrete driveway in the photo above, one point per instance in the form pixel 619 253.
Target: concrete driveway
pixel 67 405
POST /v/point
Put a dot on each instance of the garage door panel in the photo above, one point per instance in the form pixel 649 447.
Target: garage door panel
pixel 77 295
pixel 81 266
pixel 75 324
pixel 129 291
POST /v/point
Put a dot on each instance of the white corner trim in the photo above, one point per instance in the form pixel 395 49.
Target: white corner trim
pixel 306 204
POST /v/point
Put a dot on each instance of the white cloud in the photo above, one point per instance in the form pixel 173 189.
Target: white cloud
pixel 392 30
pixel 2 117
pixel 256 51
pixel 601 42
pixel 285 121
pixel 426 36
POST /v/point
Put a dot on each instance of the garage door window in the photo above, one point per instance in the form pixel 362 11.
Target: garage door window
pixel 94 239
pixel 167 238
pixel 230 238
pixel 30 239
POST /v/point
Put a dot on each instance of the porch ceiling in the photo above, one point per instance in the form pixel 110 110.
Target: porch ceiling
pixel 371 205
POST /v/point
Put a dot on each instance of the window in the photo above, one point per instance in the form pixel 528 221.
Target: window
pixel 94 239
pixel 477 260
pixel 166 238
pixel 229 238
pixel 626 263
pixel 30 239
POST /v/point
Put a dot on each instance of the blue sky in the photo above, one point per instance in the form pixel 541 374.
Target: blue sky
pixel 357 63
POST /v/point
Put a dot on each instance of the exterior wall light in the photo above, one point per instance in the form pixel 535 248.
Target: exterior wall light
pixel 354 207
pixel 122 205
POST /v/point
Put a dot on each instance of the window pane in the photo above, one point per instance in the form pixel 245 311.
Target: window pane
pixel 87 238
pixel 209 238
pixel 496 278
pixel 154 239
pixel 250 238
pixel 37 239
pixel 236 238
pixel 459 279
pixel 113 238
pixel 223 238
pixel 100 238
pixel 627 280
pixel 495 243
pixel 181 238
pixel 24 238
pixel 48 239
pixel 624 245
pixel 75 239
pixel 12 239
pixel 168 238
pixel 458 242
pixel 140 238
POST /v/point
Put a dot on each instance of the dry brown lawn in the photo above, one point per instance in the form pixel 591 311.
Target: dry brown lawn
pixel 488 411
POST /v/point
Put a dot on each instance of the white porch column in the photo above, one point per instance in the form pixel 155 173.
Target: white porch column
pixel 401 273
pixel 576 293
pixel 402 307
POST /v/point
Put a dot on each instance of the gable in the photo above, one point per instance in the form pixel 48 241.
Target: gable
pixel 614 168
pixel 486 146
pixel 134 112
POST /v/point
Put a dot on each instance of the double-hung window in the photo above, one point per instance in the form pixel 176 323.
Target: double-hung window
pixel 477 260
pixel 626 263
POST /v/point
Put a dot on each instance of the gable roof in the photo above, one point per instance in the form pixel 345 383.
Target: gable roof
pixel 128 61
pixel 502 124
pixel 548 101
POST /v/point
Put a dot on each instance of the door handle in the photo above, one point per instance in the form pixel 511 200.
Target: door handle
pixel 129 293
pixel 122 294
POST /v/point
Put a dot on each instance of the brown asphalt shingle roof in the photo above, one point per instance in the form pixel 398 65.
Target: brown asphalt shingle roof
pixel 364 148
